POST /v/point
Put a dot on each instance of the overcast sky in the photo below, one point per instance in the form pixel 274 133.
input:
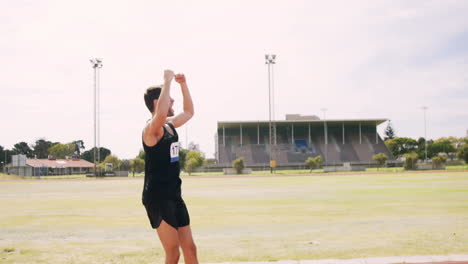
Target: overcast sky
pixel 359 59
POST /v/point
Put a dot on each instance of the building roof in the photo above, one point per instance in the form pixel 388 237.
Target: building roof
pixel 376 121
pixel 59 163
pixel 301 117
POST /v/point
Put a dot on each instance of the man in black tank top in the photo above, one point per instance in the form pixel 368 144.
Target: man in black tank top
pixel 162 196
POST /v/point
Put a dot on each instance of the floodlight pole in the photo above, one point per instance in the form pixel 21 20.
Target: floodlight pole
pixel 270 61
pixel 96 64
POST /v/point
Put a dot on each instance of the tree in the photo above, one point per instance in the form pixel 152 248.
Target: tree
pixel 463 153
pixel 319 161
pixel 125 165
pixel 381 158
pixel 438 162
pixel 389 131
pixel 310 163
pixel 3 153
pixel 112 159
pixel 89 154
pixel 142 155
pixel 440 146
pixel 421 147
pixel 238 164
pixel 23 148
pixel 421 151
pixel 41 147
pixel 138 165
pixel 456 142
pixel 182 158
pixel 79 146
pixel 194 160
pixel 60 151
pixel 410 160
pixel 314 163
pixel 401 145
pixel 190 166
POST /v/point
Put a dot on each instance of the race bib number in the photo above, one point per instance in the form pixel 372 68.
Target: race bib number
pixel 175 152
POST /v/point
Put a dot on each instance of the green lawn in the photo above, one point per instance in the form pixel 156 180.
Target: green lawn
pixel 239 219
pixel 264 172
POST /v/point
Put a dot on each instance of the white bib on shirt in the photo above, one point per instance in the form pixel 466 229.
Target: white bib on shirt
pixel 175 151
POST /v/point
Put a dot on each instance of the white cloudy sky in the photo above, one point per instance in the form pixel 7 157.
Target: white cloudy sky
pixel 359 59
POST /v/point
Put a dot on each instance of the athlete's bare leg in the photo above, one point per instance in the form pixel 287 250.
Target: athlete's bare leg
pixel 188 245
pixel 170 241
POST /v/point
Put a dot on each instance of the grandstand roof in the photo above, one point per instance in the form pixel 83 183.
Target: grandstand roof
pixel 372 122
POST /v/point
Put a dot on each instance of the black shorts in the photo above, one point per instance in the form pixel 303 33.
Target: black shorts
pixel 173 212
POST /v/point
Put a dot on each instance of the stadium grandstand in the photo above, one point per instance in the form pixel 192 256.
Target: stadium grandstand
pixel 298 137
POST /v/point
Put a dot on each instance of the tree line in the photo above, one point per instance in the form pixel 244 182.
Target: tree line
pixel 450 147
pixel 190 159
pixel 42 149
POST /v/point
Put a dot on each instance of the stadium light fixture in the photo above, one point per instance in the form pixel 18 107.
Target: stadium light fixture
pixel 270 59
pixel 96 62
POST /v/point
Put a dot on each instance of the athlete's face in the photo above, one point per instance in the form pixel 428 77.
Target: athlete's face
pixel 170 112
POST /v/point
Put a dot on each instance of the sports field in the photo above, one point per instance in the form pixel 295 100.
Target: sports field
pixel 249 218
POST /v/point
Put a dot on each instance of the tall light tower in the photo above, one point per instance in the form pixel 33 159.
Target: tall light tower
pixel 270 61
pixel 97 65
pixel 424 108
pixel 325 128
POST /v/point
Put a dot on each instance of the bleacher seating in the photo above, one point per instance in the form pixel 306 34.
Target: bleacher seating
pixel 288 152
pixel 301 146
pixel 348 153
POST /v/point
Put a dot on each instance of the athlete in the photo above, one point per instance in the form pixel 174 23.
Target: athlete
pixel 162 195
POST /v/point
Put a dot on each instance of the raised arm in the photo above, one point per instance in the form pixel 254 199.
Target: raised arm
pixel 185 116
pixel 161 108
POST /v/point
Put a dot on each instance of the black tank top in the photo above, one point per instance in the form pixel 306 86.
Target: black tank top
pixel 162 169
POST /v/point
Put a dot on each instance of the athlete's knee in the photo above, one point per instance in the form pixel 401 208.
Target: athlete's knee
pixel 172 247
pixel 172 254
pixel 189 247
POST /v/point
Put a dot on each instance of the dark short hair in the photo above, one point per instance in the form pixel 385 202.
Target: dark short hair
pixel 152 93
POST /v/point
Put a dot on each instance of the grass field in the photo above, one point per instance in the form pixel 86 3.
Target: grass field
pixel 264 172
pixel 239 218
